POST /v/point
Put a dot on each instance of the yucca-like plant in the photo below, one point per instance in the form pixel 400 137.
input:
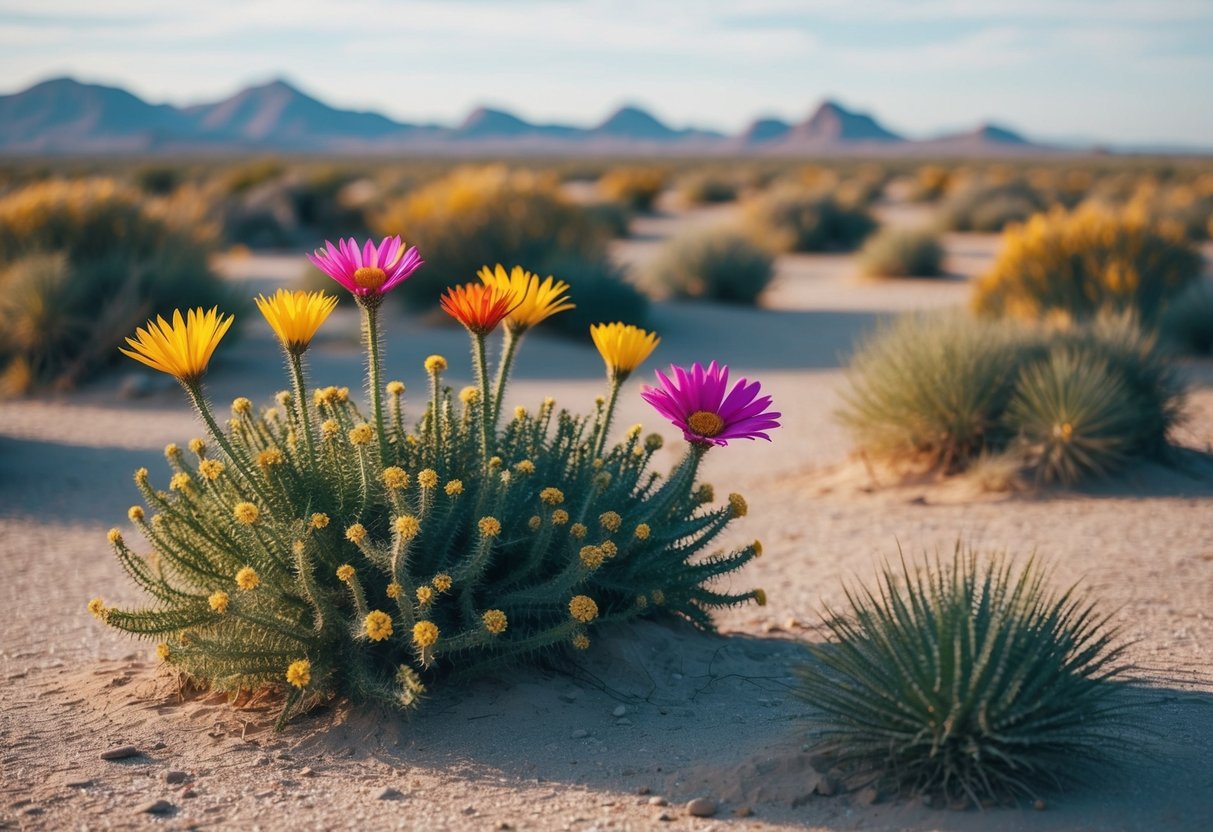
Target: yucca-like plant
pixel 967 680
pixel 1073 416
pixel 325 549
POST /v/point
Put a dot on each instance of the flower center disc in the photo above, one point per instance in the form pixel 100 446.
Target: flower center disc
pixel 369 277
pixel 705 423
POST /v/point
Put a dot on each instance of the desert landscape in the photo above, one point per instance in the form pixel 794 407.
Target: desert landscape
pixel 654 716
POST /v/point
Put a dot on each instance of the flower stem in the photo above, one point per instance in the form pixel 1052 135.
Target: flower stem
pixel 479 363
pixel 370 338
pixel 503 371
pixel 607 414
pixel 305 421
pixel 241 462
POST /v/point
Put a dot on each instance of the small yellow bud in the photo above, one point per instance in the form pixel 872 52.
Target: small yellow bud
pixel 760 596
pixel 757 547
pixel 738 504
pixel 343 394
pixel 643 531
pixel 560 517
pixel 427 478
pixel 269 457
pixel 114 536
pixel 525 467
pixel 97 608
pixel 361 434
pixel 468 395
pixel 635 430
pixel 329 429
pixel 356 533
pixel 171 451
pixel 495 462
pixel 246 513
pixel 394 589
pixel 552 496
pixel 378 625
pixel 534 523
pixel 299 673
pixel 135 513
pixel 653 442
pixel 424 595
pixel 180 482
pixel 425 633
pixel 319 520
pixel 197 446
pixel 495 621
pixel 578 530
pixel 407 526
pixel 610 520
pixel 609 549
pixel 241 406
pixel 344 573
pixel 210 469
pixel 454 488
pixel 435 364
pixel 581 641
pixel 591 557
pixel 658 597
pixel 218 601
pixel 489 526
pixel 395 478
pixel 163 652
pixel 583 608
pixel 141 476
pixel 297 547
pixel 271 414
pixel 247 578
pixel 395 388
pixel 283 397
pixel 520 412
pixel 442 582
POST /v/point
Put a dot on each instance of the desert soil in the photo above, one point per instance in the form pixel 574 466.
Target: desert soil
pixel 652 716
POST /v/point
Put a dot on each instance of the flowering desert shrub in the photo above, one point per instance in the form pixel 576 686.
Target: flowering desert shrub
pixel 900 252
pixel 80 264
pixel 638 188
pixel 323 548
pixel 1083 263
pixel 486 215
pixel 970 680
pixel 944 391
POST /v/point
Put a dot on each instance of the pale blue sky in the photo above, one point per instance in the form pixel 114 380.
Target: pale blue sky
pixel 1117 70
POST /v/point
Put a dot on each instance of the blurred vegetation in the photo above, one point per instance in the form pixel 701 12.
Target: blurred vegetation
pixel 796 218
pixel 943 391
pixel 1082 263
pixel 636 187
pixel 81 264
pixel 902 252
pixel 719 264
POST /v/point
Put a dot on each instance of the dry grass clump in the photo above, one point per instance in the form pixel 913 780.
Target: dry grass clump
pixel 899 252
pixel 790 218
pixel 982 206
pixel 1089 261
pixel 718 264
pixel 968 680
pixel 484 215
pixel 944 391
pixel 707 188
pixel 80 264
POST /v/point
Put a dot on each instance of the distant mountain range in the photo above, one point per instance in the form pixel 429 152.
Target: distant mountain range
pixel 65 116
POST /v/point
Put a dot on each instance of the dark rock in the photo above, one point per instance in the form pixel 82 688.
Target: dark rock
pixel 155 807
pixel 121 752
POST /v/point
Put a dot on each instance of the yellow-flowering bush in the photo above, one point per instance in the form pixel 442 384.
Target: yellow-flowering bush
pixel 634 186
pixel 323 548
pixel 1082 263
pixel 484 215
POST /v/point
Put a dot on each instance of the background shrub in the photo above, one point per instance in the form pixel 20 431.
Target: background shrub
pixel 898 252
pixel 718 264
pixel 479 216
pixel 990 207
pixel 798 219
pixel 81 264
pixel 938 390
pixel 638 188
pixel 968 681
pixel 603 293
pixel 707 188
pixel 1086 262
pixel 1188 322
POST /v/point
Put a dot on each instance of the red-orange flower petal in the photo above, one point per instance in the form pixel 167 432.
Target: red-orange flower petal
pixel 478 307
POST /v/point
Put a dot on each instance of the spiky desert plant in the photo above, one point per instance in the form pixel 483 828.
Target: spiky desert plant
pixel 969 679
pixel 933 388
pixel 1072 416
pixel 323 549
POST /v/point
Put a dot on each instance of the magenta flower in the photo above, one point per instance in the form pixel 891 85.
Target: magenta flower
pixel 368 270
pixel 696 402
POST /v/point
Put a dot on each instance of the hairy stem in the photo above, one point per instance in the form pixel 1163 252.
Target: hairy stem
pixel 239 461
pixel 503 371
pixel 297 379
pixel 607 414
pixel 370 338
pixel 479 364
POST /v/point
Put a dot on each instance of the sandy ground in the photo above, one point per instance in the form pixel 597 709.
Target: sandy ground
pixel 652 714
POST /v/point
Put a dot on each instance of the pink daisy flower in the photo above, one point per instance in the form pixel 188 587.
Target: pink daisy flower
pixel 699 403
pixel 368 270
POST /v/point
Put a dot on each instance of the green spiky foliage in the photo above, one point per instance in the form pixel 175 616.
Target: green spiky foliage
pixel 302 549
pixel 942 390
pixel 970 680
pixel 1073 416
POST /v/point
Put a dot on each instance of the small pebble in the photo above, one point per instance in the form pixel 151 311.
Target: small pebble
pixel 389 793
pixel 580 734
pixel 620 710
pixel 665 816
pixel 173 777
pixel 743 811
pixel 643 790
pixel 159 746
pixel 121 752
pixel 658 800
pixel 155 807
pixel 701 807
pixel 307 771
pixel 867 796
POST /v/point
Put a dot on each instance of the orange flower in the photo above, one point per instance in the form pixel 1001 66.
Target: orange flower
pixel 477 306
